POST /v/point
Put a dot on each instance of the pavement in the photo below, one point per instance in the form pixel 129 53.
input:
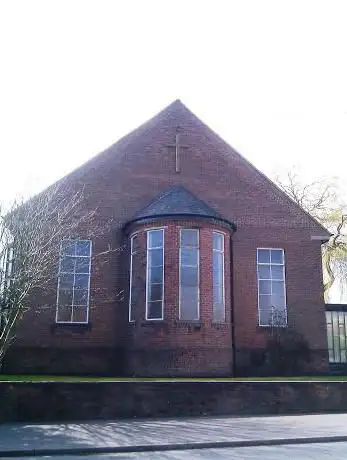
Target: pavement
pixel 301 437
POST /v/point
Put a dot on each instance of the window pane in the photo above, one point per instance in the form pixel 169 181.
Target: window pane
pixel 155 275
pixel 219 313
pixel 155 258
pixel 82 265
pixel 278 288
pixel 80 314
pixel 264 287
pixel 67 264
pixel 277 272
pixel 189 257
pixel 80 297
pixel 65 297
pixel 265 317
pixel 277 256
pixel 264 256
pixel 83 248
pixel 264 302
pixel 134 243
pixel 264 272
pixel 64 313
pixel 218 296
pixel 155 238
pixel 278 301
pixel 330 336
pixel 155 292
pixel 189 276
pixel 189 309
pixel 278 316
pixel 328 316
pixel 217 268
pixel 66 281
pixel 154 310
pixel 68 247
pixel 81 281
pixel 189 238
pixel 218 240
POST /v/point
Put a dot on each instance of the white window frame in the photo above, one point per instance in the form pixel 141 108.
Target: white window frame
pixel 132 253
pixel 265 279
pixel 147 277
pixel 74 274
pixel 336 322
pixel 223 275
pixel 197 230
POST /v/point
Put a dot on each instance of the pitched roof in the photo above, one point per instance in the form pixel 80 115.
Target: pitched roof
pixel 177 114
pixel 177 200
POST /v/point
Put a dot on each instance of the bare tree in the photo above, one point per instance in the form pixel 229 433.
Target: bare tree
pixel 320 199
pixel 30 236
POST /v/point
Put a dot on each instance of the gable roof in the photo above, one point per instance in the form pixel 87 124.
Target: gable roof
pixel 172 116
pixel 177 202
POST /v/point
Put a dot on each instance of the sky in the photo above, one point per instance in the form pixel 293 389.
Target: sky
pixel 269 76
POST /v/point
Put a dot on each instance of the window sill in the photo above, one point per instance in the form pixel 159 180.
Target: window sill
pixel 268 328
pixel 151 322
pixel 194 325
pixel 77 327
pixel 219 323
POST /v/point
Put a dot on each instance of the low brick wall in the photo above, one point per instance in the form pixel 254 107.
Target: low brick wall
pixel 63 401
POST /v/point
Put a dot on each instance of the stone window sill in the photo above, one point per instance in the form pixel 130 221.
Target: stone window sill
pixel 219 323
pixel 152 322
pixel 76 327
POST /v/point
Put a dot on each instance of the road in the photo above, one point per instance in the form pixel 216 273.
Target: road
pixel 193 432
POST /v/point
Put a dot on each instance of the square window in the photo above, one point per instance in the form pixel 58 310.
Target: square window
pixel 155 292
pixel 155 238
pixel 189 276
pixel 189 238
pixel 81 281
pixel 67 264
pixel 80 314
pixel 65 297
pixel 64 313
pixel 155 310
pixel 264 272
pixel 83 248
pixel 156 258
pixel 155 275
pixel 263 256
pixel 189 257
pixel 66 281
pixel 277 272
pixel 264 287
pixel 82 265
pixel 80 297
pixel 68 247
pixel 276 256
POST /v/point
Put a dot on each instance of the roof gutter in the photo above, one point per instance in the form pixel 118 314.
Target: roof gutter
pixel 145 219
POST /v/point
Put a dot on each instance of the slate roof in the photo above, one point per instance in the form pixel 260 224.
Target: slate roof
pixel 177 201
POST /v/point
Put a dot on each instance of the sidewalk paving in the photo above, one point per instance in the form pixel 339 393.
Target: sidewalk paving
pixel 128 435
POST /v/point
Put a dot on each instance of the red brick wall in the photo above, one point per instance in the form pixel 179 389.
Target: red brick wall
pixel 128 175
pixel 190 347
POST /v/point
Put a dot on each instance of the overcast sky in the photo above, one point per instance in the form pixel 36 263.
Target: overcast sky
pixel 269 76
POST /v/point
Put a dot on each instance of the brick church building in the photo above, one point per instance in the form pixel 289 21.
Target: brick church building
pixel 214 257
